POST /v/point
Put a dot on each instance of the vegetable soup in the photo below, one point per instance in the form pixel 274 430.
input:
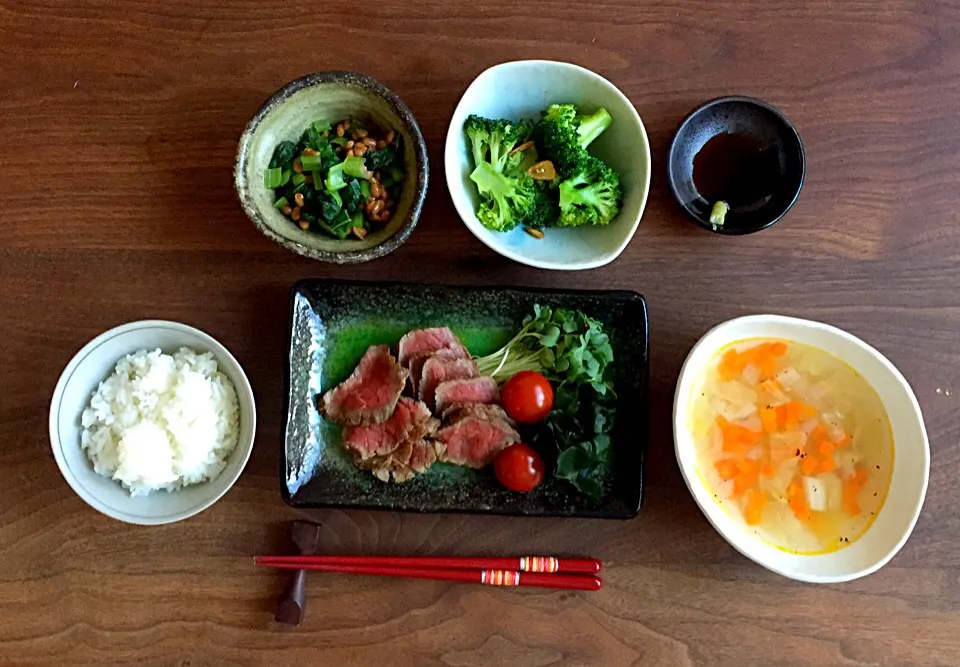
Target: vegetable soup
pixel 794 442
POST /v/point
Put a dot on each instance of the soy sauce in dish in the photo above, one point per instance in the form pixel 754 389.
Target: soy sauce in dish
pixel 737 169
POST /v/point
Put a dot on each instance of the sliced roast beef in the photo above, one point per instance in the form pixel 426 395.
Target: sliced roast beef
pixel 415 365
pixel 475 440
pixel 425 341
pixel 439 369
pixel 414 454
pixel 425 454
pixel 473 390
pixel 370 394
pixel 490 412
pixel 411 420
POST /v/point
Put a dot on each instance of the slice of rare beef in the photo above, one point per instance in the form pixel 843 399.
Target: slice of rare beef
pixel 474 441
pixel 410 420
pixel 370 394
pixel 424 341
pixel 425 454
pixel 481 389
pixel 408 458
pixel 439 369
pixel 488 411
pixel 415 365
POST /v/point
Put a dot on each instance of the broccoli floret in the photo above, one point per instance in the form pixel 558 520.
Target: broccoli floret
pixel 508 200
pixel 491 140
pixel 565 135
pixel 510 195
pixel 591 196
pixel 546 209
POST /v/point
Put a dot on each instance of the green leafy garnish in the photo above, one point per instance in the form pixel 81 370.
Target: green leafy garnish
pixel 574 353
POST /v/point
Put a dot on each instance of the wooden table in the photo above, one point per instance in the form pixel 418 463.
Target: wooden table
pixel 117 133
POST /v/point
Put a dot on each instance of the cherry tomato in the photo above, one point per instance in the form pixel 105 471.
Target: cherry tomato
pixel 519 468
pixel 527 397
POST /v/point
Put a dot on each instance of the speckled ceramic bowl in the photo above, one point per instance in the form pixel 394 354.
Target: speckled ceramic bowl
pixel 334 96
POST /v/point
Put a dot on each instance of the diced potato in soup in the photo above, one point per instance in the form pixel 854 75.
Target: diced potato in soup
pixel 794 442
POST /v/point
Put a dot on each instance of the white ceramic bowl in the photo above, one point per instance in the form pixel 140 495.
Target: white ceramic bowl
pixel 523 89
pixel 911 468
pixel 80 379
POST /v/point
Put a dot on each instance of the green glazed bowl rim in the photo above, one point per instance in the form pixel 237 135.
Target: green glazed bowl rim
pixel 410 127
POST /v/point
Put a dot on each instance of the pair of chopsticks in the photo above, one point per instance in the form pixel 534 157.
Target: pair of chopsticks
pixel 539 571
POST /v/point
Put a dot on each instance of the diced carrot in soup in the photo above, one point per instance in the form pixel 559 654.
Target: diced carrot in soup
pixel 735 447
pixel 768 419
pixel 726 468
pixel 793 412
pixel 768 366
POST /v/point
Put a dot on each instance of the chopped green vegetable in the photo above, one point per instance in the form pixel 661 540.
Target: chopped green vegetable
pixel 335 179
pixel 283 154
pixel 352 195
pixel 719 213
pixel 297 179
pixel 280 203
pixel 381 159
pixel 365 190
pixel 273 178
pixel 322 125
pixel 396 173
pixel 311 162
pixel 330 207
pixel 354 166
pixel 340 141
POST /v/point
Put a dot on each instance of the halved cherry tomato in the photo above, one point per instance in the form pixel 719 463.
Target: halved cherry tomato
pixel 519 468
pixel 527 397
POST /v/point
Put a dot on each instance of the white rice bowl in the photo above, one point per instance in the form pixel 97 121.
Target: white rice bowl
pixel 161 421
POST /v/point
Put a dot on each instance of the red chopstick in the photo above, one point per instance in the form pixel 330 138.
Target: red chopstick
pixel 490 577
pixel 524 564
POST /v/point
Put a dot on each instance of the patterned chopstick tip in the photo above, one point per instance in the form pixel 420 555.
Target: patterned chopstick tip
pixel 539 564
pixel 500 577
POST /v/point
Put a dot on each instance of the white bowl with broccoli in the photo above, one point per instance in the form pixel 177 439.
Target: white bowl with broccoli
pixel 594 142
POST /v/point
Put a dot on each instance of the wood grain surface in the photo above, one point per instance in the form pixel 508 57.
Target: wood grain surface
pixel 118 125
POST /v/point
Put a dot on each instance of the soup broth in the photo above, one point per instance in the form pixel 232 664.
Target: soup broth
pixel 793 442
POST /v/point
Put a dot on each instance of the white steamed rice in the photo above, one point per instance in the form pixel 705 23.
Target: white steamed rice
pixel 161 421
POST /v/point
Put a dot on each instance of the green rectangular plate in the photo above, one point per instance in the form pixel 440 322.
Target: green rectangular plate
pixel 332 324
